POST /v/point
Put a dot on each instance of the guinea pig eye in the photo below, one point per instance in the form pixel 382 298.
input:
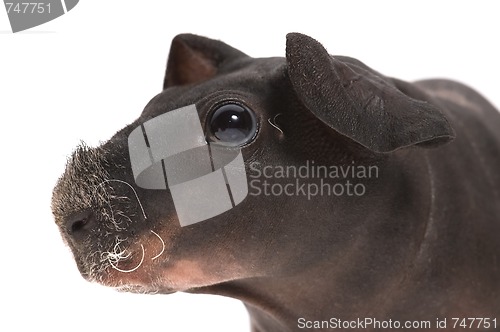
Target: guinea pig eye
pixel 232 125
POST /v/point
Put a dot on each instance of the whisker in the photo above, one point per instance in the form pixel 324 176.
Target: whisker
pixel 135 193
pixel 274 124
pixel 131 270
pixel 162 243
pixel 108 202
pixel 117 254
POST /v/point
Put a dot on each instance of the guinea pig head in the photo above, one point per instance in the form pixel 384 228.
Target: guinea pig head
pixel 212 183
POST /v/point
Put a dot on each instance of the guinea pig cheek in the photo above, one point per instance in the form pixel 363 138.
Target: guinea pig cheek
pixel 150 267
pixel 185 274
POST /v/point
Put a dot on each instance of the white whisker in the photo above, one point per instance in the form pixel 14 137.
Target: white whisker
pixel 108 202
pixel 131 270
pixel 135 193
pixel 162 243
pixel 274 124
pixel 117 254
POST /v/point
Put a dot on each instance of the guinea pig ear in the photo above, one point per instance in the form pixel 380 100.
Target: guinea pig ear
pixel 194 59
pixel 360 103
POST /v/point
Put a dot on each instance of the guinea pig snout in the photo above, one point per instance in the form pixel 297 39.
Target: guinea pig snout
pixel 79 223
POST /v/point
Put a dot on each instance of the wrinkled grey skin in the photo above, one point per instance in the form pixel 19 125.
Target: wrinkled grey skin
pixel 420 244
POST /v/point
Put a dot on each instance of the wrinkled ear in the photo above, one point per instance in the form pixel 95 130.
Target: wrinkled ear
pixel 360 103
pixel 194 59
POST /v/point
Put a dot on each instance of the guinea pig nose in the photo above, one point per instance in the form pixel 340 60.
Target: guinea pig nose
pixel 79 222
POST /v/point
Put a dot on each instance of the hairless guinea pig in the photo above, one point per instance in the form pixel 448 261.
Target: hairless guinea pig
pixel 316 190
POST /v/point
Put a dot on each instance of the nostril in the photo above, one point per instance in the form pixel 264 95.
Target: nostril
pixel 79 221
pixel 78 225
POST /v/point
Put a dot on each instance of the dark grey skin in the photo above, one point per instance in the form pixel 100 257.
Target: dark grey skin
pixel 422 242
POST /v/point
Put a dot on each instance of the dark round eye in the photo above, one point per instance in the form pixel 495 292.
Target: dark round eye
pixel 232 125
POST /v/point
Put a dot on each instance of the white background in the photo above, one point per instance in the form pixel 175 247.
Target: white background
pixel 87 74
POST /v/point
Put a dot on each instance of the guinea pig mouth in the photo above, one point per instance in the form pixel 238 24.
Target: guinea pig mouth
pixel 123 262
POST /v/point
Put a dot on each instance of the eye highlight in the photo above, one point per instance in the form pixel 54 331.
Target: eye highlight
pixel 232 125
